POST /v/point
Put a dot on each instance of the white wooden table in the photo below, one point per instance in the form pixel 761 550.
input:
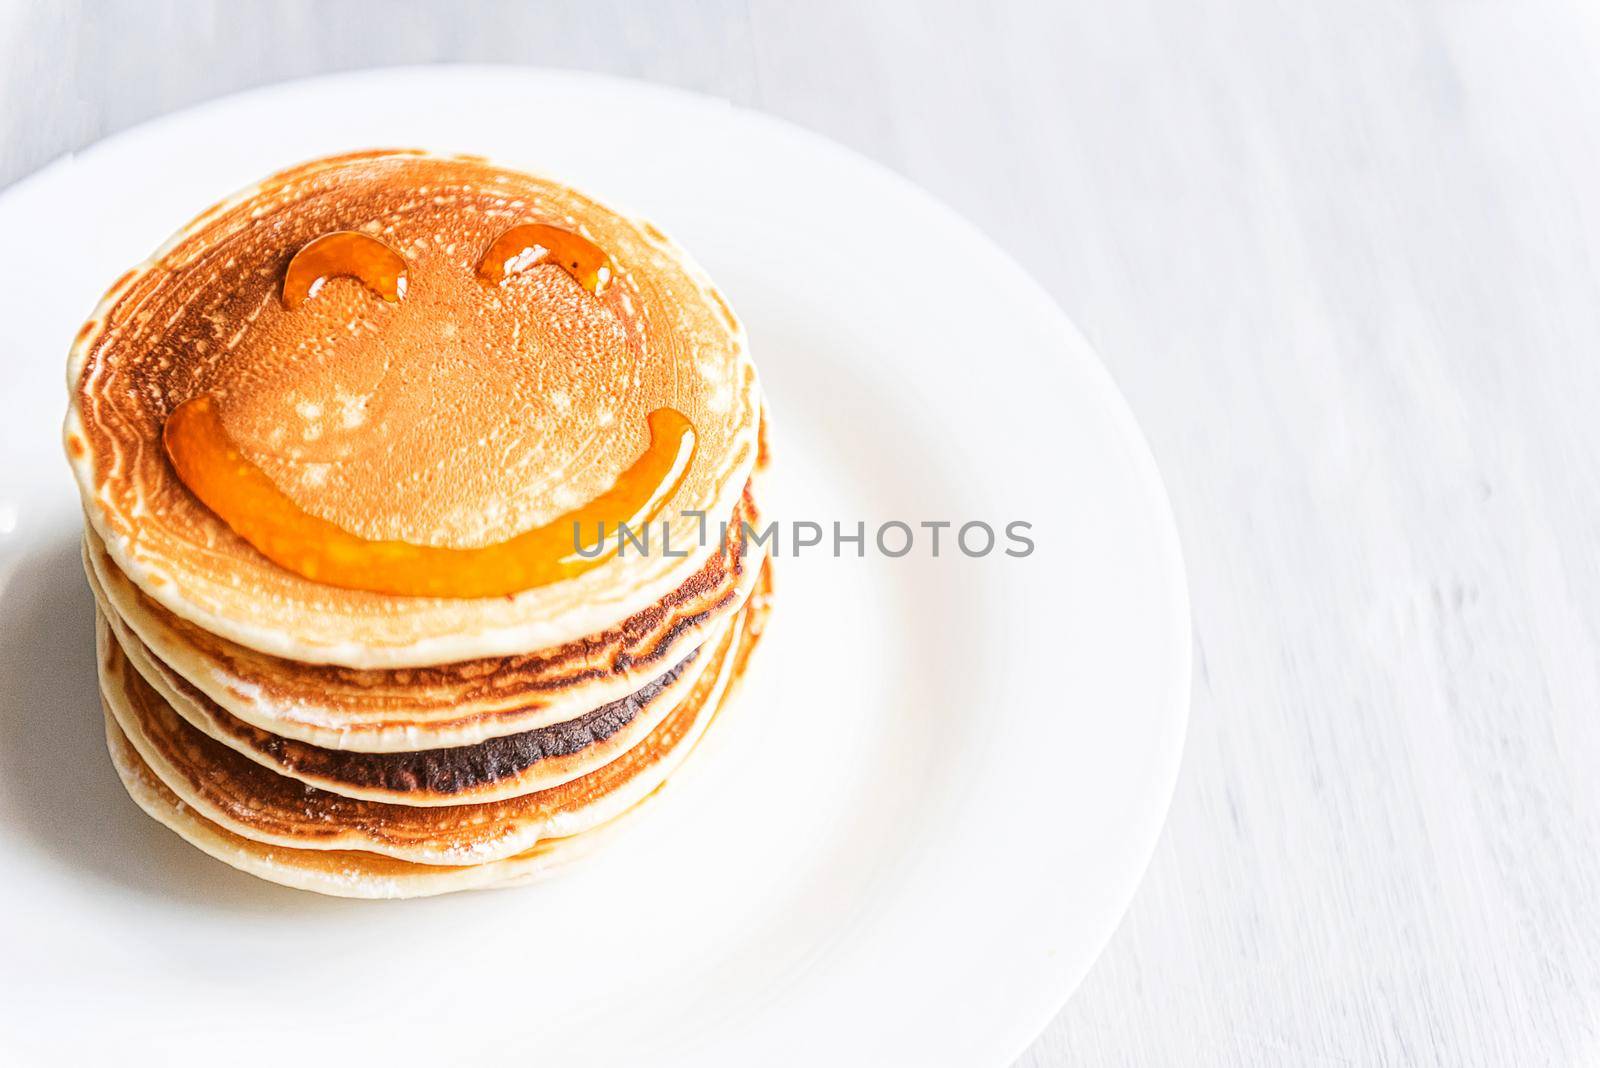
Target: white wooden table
pixel 1344 260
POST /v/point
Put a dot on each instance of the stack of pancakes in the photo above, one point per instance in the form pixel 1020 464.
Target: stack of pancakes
pixel 367 743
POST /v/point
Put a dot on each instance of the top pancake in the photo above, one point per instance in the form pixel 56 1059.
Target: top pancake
pixel 460 416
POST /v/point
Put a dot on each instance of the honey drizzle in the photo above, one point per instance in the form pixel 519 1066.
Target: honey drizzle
pixel 245 498
pixel 347 253
pixel 531 244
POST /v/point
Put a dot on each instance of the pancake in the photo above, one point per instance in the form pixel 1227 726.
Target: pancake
pixel 280 831
pixel 455 417
pixel 336 445
pixel 445 705
pixel 502 767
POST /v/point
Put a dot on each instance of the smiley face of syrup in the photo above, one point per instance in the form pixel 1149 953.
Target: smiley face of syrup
pixel 211 465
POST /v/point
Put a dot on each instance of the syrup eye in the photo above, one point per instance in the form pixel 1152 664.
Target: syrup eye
pixel 345 253
pixel 523 247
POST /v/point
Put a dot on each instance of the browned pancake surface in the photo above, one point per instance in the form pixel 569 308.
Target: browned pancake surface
pixel 459 416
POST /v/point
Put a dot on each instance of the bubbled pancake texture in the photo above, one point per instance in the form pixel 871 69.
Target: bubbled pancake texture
pixel 460 416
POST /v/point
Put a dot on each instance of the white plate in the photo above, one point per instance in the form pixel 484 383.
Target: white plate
pixel 938 792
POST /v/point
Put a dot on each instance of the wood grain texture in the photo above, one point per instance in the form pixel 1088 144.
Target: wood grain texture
pixel 1341 259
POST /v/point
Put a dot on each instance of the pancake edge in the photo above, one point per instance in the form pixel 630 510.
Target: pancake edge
pixel 273 859
pixel 566 706
pixel 544 774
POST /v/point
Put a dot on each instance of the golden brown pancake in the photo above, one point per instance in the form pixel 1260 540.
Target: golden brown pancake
pixel 491 354
pixel 443 705
pixel 457 417
pixel 281 830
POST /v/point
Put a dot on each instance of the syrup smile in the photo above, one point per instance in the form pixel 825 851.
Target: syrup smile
pixel 244 497
pixel 214 469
